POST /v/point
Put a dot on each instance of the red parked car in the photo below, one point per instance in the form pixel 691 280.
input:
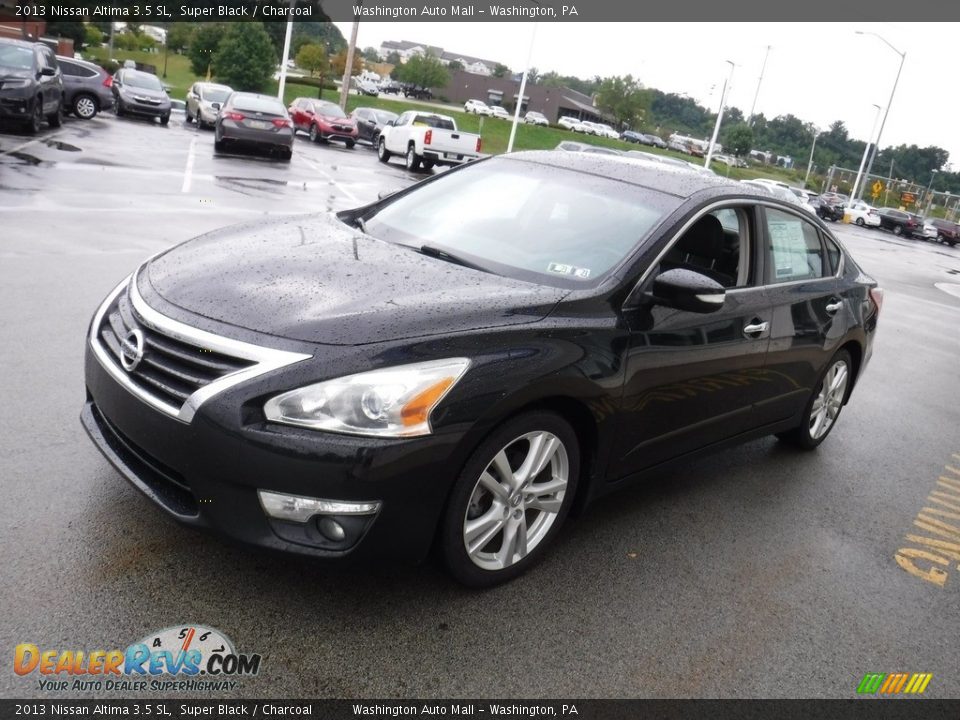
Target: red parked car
pixel 323 121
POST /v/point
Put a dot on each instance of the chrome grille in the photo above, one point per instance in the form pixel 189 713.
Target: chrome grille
pixel 180 367
pixel 170 369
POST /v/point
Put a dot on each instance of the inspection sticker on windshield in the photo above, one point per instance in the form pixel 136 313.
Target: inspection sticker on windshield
pixel 564 269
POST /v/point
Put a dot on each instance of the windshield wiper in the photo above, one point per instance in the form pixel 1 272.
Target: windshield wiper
pixel 436 252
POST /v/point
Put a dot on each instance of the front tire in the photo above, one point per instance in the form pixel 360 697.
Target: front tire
pixel 165 119
pixel 350 144
pixel 55 120
pixel 860 222
pixel 314 135
pixel 823 408
pixel 85 107
pixel 36 117
pixel 383 155
pixel 510 500
pixel 897 230
pixel 412 160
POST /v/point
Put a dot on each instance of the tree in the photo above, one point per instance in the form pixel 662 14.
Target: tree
pixel 624 98
pixel 370 54
pixel 179 36
pixel 206 39
pixel 454 65
pixel 338 64
pixel 394 58
pixel 500 70
pixel 73 30
pixel 739 139
pixel 424 71
pixel 245 58
pixel 93 37
pixel 313 59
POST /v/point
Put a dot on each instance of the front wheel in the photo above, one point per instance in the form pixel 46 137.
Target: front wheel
pixel 860 222
pixel 824 406
pixel 897 230
pixel 165 119
pixel 383 155
pixel 350 144
pixel 511 499
pixel 412 159
pixel 314 135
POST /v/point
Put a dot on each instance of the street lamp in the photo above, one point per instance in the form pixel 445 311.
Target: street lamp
pixel 863 160
pixel 926 194
pixel 723 103
pixel 903 56
pixel 757 93
pixel 816 134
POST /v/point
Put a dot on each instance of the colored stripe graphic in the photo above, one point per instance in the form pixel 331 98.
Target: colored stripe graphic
pixel 894 683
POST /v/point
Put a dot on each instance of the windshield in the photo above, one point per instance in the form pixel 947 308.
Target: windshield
pixel 14 56
pixel 329 110
pixel 383 117
pixel 525 220
pixel 215 95
pixel 142 80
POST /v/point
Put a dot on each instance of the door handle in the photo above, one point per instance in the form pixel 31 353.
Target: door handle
pixel 833 307
pixel 755 328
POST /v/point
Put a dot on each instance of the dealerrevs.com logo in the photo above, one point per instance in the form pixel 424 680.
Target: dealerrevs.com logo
pixel 180 658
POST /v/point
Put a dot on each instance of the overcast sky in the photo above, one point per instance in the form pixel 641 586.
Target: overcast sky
pixel 820 72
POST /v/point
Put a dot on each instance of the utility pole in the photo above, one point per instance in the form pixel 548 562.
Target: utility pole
pixel 757 93
pixel 523 86
pixel 716 127
pixel 348 68
pixel 866 151
pixel 810 162
pixel 281 86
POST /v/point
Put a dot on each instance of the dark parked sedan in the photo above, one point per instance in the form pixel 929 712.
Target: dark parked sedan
pixel 140 93
pixel 370 121
pixel 465 361
pixel 87 87
pixel 257 121
pixel 31 87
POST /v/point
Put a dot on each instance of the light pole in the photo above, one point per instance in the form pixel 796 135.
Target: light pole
pixel 903 56
pixel 716 127
pixel 757 93
pixel 523 87
pixel 926 193
pixel 813 147
pixel 863 160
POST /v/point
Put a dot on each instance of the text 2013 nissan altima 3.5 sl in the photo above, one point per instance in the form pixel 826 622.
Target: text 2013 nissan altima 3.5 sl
pixel 463 362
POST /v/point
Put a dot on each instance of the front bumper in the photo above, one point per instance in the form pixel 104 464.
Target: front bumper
pixel 206 473
pixel 16 104
pixel 135 107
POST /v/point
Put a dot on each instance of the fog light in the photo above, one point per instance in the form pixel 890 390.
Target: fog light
pixel 331 529
pixel 296 508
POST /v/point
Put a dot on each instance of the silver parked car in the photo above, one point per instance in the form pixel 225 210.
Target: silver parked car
pixel 258 121
pixel 204 101
pixel 140 93
pixel 87 87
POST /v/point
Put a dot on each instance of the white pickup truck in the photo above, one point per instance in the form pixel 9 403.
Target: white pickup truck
pixel 427 139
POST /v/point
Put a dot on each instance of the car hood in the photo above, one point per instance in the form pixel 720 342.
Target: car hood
pixel 338 120
pixel 7 73
pixel 146 92
pixel 317 280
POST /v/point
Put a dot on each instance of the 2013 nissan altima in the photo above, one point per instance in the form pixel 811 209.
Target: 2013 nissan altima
pixel 463 362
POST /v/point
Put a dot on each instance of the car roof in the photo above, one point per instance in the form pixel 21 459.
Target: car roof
pixel 674 180
pixel 14 41
pixel 82 63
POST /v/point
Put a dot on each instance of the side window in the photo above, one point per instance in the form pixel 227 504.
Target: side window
pixel 795 249
pixel 71 70
pixel 833 254
pixel 716 245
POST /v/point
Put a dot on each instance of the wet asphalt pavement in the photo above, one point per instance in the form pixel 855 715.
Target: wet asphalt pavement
pixel 759 571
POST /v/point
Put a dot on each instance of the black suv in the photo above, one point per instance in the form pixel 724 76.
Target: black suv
pixel 31 87
pixel 899 222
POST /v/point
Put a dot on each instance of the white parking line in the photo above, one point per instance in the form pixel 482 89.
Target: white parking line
pixel 31 142
pixel 330 177
pixel 188 170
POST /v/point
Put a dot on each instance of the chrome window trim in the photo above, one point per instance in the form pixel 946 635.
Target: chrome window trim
pixel 265 359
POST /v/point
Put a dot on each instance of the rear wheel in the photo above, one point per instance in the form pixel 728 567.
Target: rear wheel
pixel 121 111
pixel 412 160
pixel 860 222
pixel 314 135
pixel 85 107
pixel 897 230
pixel 383 155
pixel 428 164
pixel 824 405
pixel 511 499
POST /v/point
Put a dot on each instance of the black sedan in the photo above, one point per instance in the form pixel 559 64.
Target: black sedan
pixel 370 121
pixel 465 361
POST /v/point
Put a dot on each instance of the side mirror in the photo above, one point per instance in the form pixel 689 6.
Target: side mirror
pixel 48 71
pixel 215 106
pixel 688 290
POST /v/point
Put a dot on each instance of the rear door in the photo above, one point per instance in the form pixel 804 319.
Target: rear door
pixel 809 314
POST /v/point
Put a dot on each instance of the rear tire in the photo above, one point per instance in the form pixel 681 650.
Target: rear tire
pixel 121 111
pixel 860 222
pixel 428 164
pixel 515 510
pixel 412 160
pixel 823 409
pixel 286 155
pixel 897 230
pixel 383 155
pixel 85 107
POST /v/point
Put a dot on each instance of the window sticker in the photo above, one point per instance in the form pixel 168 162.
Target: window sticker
pixel 564 269
pixel 789 247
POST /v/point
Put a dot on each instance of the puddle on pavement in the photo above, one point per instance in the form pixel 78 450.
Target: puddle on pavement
pixel 24 158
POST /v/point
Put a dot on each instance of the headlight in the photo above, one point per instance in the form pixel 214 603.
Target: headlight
pixel 392 402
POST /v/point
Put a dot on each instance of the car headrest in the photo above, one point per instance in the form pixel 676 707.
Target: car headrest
pixel 704 239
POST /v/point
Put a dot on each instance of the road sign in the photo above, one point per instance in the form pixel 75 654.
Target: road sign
pixel 908 198
pixel 877 187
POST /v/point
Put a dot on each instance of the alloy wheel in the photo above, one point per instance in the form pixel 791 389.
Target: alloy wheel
pixel 829 400
pixel 516 500
pixel 85 107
